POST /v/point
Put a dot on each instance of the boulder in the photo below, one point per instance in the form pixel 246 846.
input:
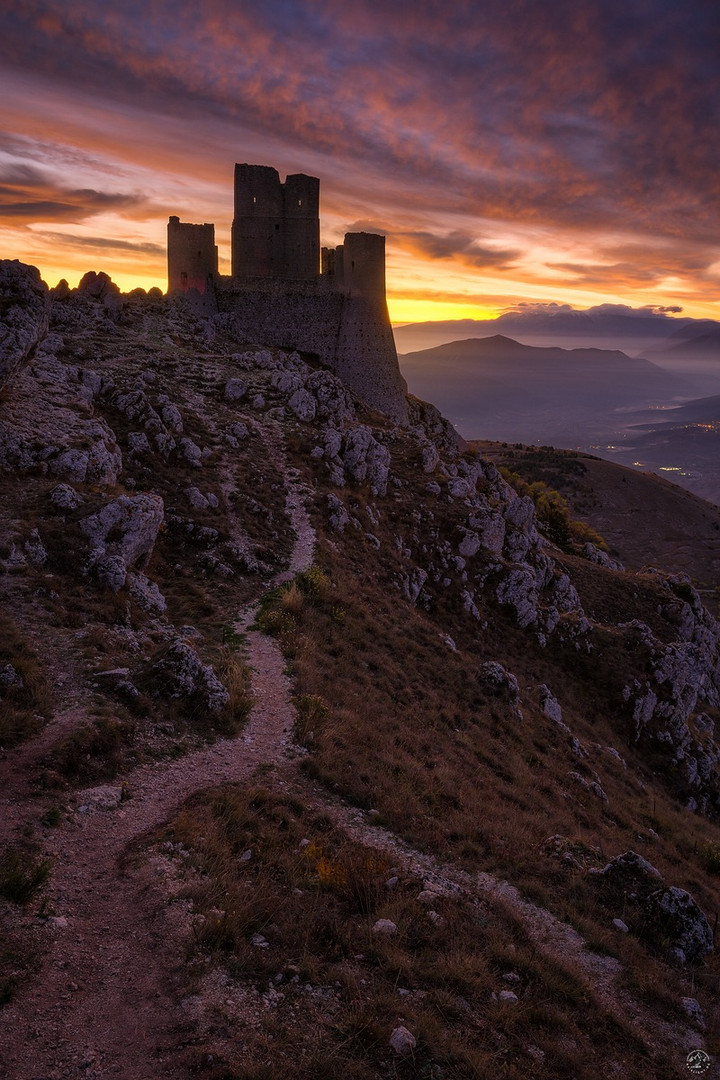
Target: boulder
pixel 676 918
pixel 366 460
pixel 630 875
pixel 333 398
pixel 303 405
pixel 65 497
pixel 402 1041
pixel 666 917
pixel 183 674
pixel 501 684
pixel 122 535
pixel 385 926
pixel 235 389
pixel 99 286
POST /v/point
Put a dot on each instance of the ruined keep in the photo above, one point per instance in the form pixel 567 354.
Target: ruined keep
pixel 287 292
pixel 276 229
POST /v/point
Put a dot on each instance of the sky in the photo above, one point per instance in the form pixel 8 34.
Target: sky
pixel 514 152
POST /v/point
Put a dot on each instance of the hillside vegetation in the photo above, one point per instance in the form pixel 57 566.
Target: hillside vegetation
pixel 472 830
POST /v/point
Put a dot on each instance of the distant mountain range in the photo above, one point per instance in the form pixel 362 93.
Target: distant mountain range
pixel 609 326
pixel 498 388
pixel 629 409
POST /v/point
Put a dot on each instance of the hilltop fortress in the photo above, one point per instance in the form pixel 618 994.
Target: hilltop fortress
pixel 286 291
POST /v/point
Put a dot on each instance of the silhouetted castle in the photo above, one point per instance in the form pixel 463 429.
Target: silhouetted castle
pixel 285 291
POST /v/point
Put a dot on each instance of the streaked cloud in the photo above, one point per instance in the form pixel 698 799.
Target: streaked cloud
pixel 501 145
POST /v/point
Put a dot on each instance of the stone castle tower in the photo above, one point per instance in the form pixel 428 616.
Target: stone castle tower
pixel 192 256
pixel 276 230
pixel 285 291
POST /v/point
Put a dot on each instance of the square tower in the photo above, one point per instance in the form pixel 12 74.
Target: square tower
pixel 276 229
pixel 192 256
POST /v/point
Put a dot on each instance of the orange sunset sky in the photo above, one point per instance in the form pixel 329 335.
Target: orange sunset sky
pixel 512 153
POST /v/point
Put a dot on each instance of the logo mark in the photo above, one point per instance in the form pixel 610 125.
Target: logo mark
pixel 697 1062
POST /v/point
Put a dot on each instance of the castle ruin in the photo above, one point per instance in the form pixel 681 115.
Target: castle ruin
pixel 284 290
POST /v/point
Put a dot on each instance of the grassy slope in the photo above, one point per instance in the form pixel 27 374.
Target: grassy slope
pixel 644 518
pixel 396 718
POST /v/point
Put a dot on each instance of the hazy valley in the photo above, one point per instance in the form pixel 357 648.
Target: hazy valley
pixel 657 410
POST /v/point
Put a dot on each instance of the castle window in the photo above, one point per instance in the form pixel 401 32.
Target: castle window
pixel 277 228
pixel 299 202
pixel 254 198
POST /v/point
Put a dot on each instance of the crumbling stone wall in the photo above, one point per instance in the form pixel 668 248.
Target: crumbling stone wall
pixel 192 256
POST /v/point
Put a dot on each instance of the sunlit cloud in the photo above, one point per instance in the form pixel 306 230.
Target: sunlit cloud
pixel 506 149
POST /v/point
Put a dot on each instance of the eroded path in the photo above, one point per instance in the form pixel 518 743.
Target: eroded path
pixel 107 1000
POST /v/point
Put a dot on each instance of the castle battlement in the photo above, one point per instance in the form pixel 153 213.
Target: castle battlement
pixel 285 291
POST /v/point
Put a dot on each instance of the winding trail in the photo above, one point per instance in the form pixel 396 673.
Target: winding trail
pixel 106 1002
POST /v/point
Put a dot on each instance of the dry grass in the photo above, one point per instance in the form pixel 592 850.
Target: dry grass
pixel 22 874
pixel 397 721
pixel 96 751
pixel 285 904
pixel 25 705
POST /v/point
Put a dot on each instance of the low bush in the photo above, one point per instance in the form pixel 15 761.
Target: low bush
pixel 22 875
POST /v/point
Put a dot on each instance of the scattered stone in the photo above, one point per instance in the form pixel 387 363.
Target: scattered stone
pixel 385 926
pixel 235 390
pixel 105 797
pixel 337 513
pixel 65 497
pixel 621 926
pixel 509 997
pixel 402 1041
pixel 691 1007
pixel 9 679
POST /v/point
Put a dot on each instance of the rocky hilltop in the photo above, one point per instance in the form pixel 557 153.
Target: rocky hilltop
pixel 326 751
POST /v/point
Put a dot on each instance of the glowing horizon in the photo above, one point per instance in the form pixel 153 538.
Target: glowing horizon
pixel 499 175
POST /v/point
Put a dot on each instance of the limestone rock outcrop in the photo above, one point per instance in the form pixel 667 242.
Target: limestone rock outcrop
pixel 682 681
pixel 122 535
pixel 183 674
pixel 665 916
pixel 25 309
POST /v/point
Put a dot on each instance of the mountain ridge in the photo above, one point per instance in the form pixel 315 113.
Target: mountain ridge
pixel 431 831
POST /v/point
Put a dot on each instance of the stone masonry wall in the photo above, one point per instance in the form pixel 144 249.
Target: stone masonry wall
pixel 349 334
